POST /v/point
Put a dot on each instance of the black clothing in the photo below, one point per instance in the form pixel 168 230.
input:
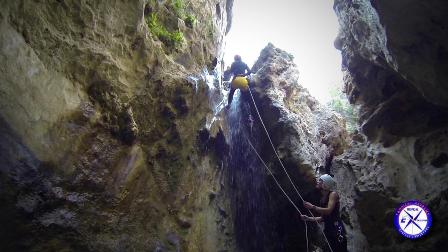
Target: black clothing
pixel 230 98
pixel 244 95
pixel 333 228
pixel 238 68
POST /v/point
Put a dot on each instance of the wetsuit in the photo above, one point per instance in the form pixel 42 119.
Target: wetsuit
pixel 238 68
pixel 333 228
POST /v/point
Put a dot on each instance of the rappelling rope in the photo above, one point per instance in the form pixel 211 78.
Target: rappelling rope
pixel 284 169
pixel 279 186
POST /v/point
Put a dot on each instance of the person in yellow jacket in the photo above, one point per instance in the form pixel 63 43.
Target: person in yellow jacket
pixel 239 70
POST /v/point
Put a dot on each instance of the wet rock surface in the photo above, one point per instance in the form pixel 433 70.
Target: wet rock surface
pixel 99 122
pixel 114 139
pixel 304 134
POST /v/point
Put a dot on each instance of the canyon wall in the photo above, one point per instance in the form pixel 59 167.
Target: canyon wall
pixel 101 104
pixel 395 57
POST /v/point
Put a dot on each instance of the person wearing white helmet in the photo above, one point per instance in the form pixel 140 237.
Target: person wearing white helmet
pixel 328 210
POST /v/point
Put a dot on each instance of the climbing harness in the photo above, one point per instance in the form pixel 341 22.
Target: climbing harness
pixel 284 169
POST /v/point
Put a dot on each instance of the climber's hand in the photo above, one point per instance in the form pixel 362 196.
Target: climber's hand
pixel 308 205
pixel 304 217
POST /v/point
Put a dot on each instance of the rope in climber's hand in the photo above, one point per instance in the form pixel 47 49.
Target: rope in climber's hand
pixel 308 205
pixel 304 217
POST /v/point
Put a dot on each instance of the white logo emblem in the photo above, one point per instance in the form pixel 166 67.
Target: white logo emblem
pixel 413 219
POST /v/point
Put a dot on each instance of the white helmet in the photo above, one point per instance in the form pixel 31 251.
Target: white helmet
pixel 328 182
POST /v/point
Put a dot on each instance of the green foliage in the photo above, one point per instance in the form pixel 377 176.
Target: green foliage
pixel 170 39
pixel 179 8
pixel 190 20
pixel 153 23
pixel 178 38
pixel 341 105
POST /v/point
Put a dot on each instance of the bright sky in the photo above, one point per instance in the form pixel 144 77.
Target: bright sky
pixel 304 28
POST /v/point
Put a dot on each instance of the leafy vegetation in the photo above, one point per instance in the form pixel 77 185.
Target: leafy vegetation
pixel 179 8
pixel 340 104
pixel 177 37
pixel 190 20
pixel 170 39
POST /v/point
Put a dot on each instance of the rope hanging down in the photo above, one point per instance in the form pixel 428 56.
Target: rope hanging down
pixel 284 169
pixel 279 186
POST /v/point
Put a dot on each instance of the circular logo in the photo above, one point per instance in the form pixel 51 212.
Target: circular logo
pixel 412 219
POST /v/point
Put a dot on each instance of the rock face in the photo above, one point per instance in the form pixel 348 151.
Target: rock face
pixel 394 59
pixel 112 136
pixel 299 124
pixel 302 132
pixel 395 66
pixel 101 103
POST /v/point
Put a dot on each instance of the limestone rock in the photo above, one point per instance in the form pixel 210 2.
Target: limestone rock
pixel 385 177
pixel 305 135
pixel 394 56
pixel 99 122
pixel 302 130
pixel 395 66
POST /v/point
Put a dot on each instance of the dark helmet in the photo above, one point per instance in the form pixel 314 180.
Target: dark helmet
pixel 237 58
